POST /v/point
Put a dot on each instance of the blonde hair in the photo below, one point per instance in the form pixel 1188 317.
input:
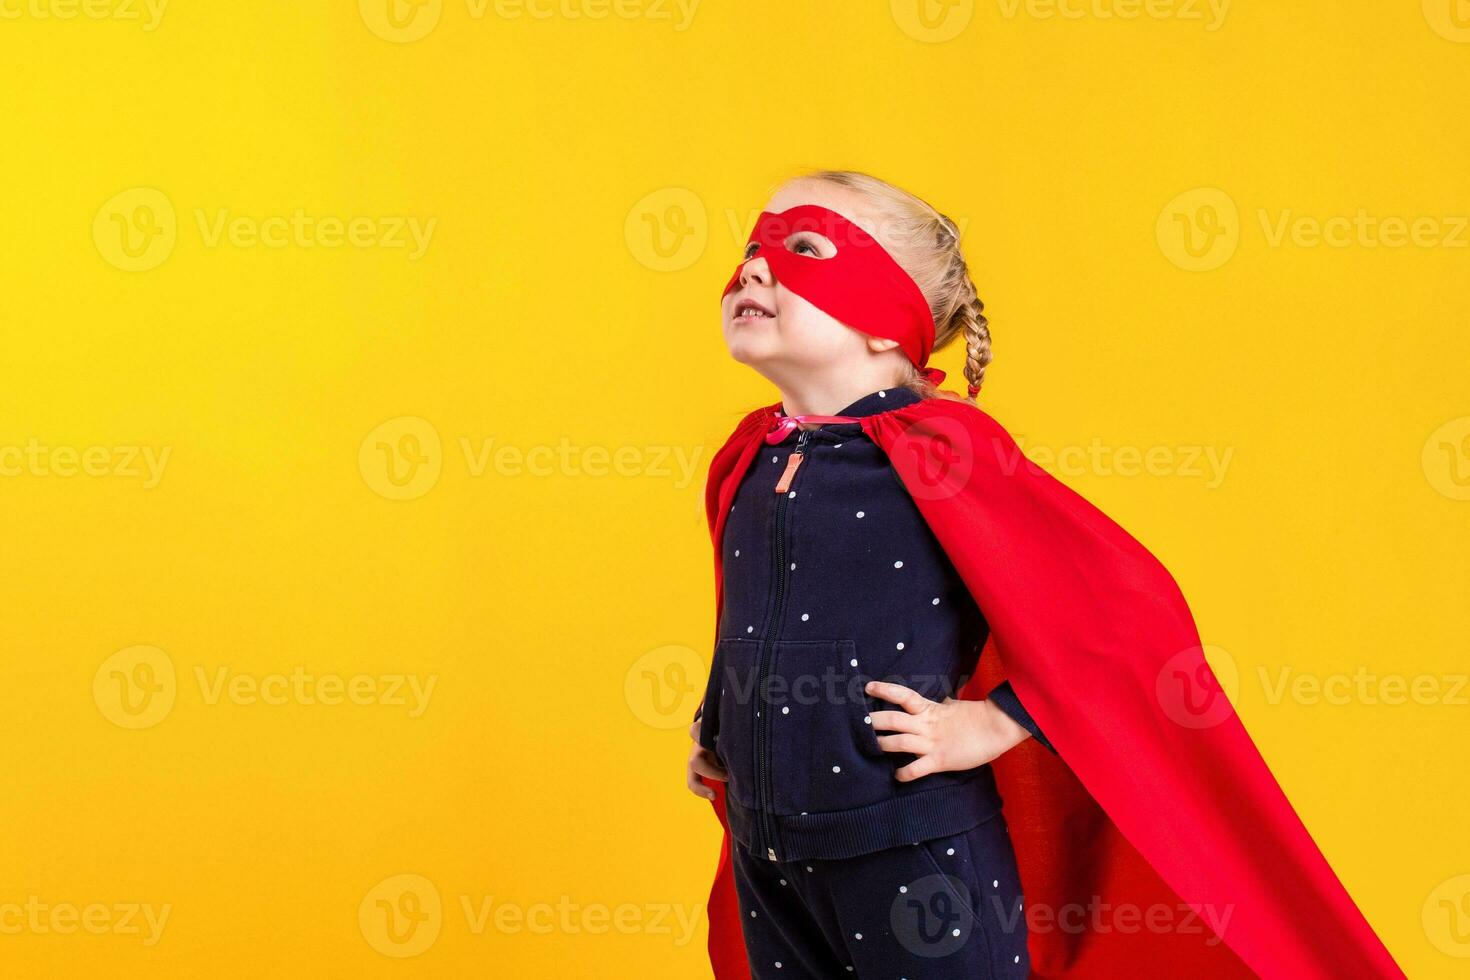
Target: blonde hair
pixel 926 244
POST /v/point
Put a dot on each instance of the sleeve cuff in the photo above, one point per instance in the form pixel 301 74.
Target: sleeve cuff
pixel 1007 700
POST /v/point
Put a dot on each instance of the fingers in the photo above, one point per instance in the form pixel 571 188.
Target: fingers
pixel 907 698
pixel 895 721
pixel 703 764
pixel 914 744
pixel 917 769
pixel 695 786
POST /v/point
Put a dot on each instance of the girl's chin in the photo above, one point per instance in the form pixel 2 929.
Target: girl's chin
pixel 751 325
pixel 753 355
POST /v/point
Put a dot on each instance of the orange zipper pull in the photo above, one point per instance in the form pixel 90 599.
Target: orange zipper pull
pixel 792 462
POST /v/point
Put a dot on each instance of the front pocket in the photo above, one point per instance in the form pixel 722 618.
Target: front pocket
pixel 824 753
pixel 978 867
pixel 962 891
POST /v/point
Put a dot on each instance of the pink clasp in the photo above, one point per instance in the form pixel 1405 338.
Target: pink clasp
pixel 783 425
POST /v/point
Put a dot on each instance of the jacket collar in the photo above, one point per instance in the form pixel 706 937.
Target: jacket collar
pixel 882 400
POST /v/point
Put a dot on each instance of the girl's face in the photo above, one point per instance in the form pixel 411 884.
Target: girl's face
pixel 775 331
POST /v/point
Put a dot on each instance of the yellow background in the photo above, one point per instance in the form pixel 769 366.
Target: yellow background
pixel 590 180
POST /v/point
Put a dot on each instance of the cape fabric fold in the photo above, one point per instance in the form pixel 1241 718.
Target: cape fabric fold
pixel 1156 842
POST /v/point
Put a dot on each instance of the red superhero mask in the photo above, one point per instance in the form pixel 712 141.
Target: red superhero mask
pixel 861 285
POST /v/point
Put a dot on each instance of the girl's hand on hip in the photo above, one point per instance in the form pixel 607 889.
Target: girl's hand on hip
pixel 947 736
pixel 702 762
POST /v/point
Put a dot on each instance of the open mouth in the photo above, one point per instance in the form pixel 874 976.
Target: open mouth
pixel 749 309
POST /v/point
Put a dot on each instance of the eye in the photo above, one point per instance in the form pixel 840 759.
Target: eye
pixel 750 249
pixel 811 244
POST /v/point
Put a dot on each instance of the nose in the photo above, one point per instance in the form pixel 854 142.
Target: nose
pixel 756 270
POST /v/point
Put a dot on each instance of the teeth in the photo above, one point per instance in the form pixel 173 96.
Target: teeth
pixel 751 311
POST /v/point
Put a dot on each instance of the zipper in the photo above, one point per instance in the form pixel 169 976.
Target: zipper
pixel 764 790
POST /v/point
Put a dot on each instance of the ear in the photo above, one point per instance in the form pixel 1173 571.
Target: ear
pixel 880 344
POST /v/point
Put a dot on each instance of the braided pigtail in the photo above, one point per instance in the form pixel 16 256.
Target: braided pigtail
pixel 976 330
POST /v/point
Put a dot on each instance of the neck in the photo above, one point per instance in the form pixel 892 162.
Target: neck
pixel 816 395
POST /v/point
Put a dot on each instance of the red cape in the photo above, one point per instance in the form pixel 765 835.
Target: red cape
pixel 1159 831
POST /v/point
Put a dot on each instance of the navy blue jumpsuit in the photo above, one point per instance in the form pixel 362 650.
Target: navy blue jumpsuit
pixel 840 869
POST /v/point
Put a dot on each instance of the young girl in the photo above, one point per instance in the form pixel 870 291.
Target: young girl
pixel 872 534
